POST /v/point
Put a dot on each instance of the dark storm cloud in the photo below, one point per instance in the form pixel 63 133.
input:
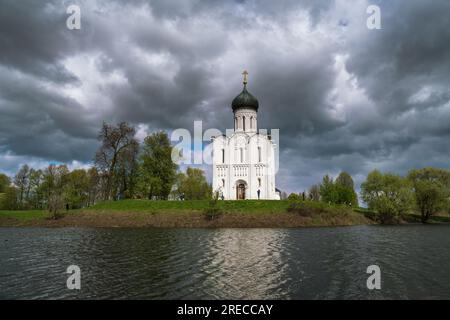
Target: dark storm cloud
pixel 35 121
pixel 32 41
pixel 405 71
pixel 412 51
pixel 344 97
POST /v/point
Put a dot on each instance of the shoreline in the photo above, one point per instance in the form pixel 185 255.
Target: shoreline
pixel 191 214
pixel 91 219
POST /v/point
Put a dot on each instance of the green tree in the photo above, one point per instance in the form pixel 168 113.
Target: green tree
pixel 127 172
pixel 328 192
pixel 77 189
pixel 21 181
pixel 5 182
pixel 55 185
pixel 177 191
pixel 431 190
pixel 94 185
pixel 118 148
pixel 344 188
pixel 10 199
pixel 157 170
pixel 314 193
pixel 345 179
pixel 194 186
pixel 389 195
pixel 213 210
pixel 35 195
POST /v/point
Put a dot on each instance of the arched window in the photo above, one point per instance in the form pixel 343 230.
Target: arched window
pixel 243 123
pixel 223 183
pixel 223 155
pixel 251 123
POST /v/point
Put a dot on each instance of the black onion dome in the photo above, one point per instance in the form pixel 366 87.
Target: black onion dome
pixel 245 100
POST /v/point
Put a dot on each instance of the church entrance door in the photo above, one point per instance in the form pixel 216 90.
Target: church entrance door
pixel 240 191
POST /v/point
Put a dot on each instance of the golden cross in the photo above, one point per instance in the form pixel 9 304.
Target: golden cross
pixel 245 73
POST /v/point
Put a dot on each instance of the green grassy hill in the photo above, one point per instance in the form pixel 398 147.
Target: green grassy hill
pixel 192 214
pixel 242 213
pixel 250 206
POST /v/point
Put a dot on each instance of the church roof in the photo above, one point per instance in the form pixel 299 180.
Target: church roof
pixel 245 99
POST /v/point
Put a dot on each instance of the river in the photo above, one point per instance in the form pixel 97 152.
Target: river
pixel 309 263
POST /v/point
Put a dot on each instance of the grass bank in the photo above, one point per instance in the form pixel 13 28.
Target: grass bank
pixel 191 214
pixel 187 214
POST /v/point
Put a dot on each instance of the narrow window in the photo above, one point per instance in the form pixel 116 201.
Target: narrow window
pixel 223 183
pixel 223 155
pixel 259 154
pixel 243 123
pixel 235 123
pixel 251 123
pixel 242 155
pixel 259 182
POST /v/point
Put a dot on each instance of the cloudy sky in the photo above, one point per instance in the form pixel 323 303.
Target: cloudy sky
pixel 343 97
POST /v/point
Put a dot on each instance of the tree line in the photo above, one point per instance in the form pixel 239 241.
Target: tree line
pixel 426 190
pixel 389 196
pixel 122 169
pixel 340 191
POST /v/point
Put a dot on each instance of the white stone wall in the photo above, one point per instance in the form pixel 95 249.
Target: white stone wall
pixel 246 119
pixel 246 157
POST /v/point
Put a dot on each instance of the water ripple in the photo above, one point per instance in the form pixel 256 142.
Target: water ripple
pixel 321 263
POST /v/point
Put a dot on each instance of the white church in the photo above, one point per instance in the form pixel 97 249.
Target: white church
pixel 244 162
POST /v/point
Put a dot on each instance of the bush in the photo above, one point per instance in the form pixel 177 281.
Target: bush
pixel 213 210
pixel 386 211
pixel 56 206
pixel 369 214
pixel 294 197
pixel 300 208
pixel 311 208
pixel 8 200
pixel 2 199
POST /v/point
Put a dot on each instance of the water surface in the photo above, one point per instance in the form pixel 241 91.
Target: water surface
pixel 314 263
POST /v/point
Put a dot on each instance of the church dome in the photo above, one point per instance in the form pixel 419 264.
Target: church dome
pixel 245 99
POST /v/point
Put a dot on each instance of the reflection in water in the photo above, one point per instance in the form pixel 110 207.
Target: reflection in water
pixel 319 263
pixel 244 265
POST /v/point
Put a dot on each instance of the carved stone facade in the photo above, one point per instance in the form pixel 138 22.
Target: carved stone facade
pixel 244 162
